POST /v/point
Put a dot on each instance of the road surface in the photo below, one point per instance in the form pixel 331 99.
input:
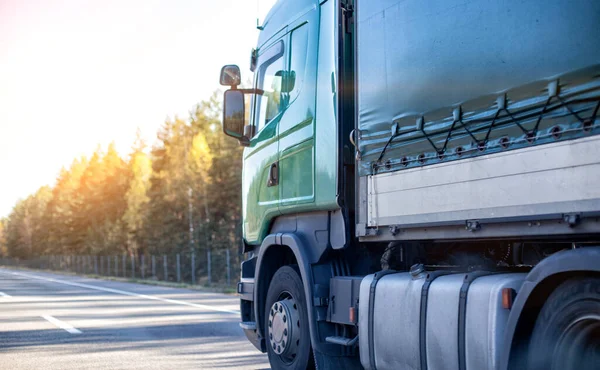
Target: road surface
pixel 50 321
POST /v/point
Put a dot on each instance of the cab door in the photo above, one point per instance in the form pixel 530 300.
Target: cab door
pixel 297 125
pixel 260 181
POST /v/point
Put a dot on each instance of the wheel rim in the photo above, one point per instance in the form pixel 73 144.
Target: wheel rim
pixel 284 328
pixel 579 345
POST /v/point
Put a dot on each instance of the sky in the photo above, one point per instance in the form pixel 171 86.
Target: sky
pixel 77 74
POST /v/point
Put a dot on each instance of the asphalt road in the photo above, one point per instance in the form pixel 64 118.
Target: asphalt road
pixel 50 321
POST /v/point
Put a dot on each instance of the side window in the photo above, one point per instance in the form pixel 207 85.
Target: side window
pixel 270 75
pixel 298 50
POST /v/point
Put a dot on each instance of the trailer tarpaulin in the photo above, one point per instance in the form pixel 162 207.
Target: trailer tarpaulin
pixel 440 80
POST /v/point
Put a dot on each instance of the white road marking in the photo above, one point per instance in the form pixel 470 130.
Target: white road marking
pixel 4 295
pixel 131 294
pixel 63 325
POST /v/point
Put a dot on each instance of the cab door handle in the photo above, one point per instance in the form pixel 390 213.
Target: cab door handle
pixel 273 179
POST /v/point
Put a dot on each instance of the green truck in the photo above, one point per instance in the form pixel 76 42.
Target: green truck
pixel 421 184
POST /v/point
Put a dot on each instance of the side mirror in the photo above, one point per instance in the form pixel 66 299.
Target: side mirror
pixel 233 114
pixel 230 75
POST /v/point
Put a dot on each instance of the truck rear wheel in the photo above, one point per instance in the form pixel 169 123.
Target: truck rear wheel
pixel 567 332
pixel 286 322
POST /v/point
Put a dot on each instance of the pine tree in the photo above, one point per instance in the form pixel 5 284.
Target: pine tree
pixel 106 205
pixel 3 251
pixel 137 199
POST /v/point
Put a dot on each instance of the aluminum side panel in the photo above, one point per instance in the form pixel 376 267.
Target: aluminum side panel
pixel 549 179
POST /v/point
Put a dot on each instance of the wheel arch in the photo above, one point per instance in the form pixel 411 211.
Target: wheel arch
pixel 539 284
pixel 293 249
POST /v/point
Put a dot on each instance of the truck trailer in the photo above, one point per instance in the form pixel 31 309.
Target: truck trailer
pixel 421 184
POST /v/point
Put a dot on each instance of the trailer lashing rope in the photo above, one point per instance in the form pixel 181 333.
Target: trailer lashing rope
pixel 593 118
pixel 533 132
pixel 384 149
pixel 487 135
pixel 449 135
pixel 530 135
pixel 516 121
pixel 566 105
pixel 431 141
pixel 447 138
pixel 469 132
pixel 441 151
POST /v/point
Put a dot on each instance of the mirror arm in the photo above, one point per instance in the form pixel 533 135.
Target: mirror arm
pixel 244 141
pixel 252 91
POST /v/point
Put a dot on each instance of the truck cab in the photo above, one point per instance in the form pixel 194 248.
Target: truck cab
pixel 420 184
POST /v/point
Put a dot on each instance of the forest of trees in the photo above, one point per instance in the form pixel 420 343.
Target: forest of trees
pixel 106 204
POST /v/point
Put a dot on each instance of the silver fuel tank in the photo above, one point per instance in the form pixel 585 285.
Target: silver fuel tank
pixel 438 319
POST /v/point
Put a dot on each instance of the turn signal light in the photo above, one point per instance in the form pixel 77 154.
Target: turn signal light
pixel 508 296
pixel 352 315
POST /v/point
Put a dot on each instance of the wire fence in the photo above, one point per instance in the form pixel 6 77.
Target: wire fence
pixel 219 268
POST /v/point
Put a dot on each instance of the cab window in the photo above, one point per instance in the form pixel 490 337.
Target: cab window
pixel 270 77
pixel 298 52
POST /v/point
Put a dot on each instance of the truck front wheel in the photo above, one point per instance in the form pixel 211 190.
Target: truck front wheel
pixel 286 322
pixel 567 332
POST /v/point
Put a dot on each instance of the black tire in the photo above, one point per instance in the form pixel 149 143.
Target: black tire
pixel 287 283
pixel 567 332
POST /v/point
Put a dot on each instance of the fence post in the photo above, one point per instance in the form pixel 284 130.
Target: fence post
pixel 108 265
pixel 228 268
pixel 165 270
pixel 153 267
pixel 193 268
pixel 209 266
pixel 178 268
pixel 133 266
pixel 124 265
pixel 96 265
pixel 116 265
pixel 143 267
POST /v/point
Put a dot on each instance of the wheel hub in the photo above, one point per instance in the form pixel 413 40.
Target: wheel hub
pixel 284 328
